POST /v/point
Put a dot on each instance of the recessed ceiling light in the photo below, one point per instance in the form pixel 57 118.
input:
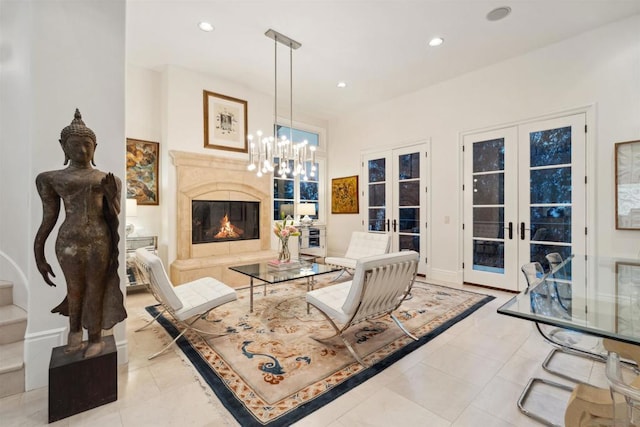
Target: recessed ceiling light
pixel 498 13
pixel 205 26
pixel 436 41
pixel 342 84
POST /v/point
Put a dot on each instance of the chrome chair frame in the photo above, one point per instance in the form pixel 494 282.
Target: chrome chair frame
pixel 186 303
pixel 380 284
pixel 361 244
pixel 531 272
pixel 619 404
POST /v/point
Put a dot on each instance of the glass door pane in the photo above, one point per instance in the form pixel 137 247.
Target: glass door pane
pixel 408 190
pixel 377 190
pixel 488 206
pixel 551 193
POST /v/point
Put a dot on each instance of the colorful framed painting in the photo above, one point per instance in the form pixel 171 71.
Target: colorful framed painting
pixel 225 122
pixel 344 195
pixel 143 171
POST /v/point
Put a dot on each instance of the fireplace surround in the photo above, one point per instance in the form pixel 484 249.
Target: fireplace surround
pixel 201 177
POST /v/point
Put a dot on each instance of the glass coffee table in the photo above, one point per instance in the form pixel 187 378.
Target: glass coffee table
pixel 269 274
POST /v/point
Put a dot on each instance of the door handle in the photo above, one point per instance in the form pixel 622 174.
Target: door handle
pixel 522 229
pixel 510 228
pixel 394 225
pixel 387 224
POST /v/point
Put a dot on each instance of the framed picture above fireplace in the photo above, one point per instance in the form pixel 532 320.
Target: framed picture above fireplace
pixel 225 122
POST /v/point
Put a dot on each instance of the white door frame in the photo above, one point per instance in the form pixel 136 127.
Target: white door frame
pixel 591 162
pixel 424 146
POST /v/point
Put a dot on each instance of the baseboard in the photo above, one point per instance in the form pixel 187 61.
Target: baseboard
pixel 37 354
pixel 444 277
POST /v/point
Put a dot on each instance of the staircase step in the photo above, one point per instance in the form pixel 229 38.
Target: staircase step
pixel 13 324
pixel 11 357
pixel 6 292
pixel 11 369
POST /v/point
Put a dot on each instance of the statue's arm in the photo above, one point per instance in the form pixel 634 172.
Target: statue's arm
pixel 50 210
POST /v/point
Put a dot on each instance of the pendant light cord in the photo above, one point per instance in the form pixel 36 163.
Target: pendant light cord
pixel 275 99
pixel 291 92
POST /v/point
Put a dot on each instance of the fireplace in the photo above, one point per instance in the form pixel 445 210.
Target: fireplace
pixel 219 186
pixel 224 220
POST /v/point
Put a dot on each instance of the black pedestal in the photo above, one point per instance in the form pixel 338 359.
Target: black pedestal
pixel 77 384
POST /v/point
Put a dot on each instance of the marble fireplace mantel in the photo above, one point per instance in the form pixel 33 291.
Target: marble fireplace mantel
pixel 209 177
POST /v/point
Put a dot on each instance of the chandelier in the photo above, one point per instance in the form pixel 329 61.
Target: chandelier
pixel 281 154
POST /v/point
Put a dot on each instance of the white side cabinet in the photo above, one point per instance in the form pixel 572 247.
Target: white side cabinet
pixel 135 279
pixel 313 240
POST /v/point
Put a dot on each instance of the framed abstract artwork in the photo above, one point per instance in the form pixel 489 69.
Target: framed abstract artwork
pixel 627 298
pixel 143 171
pixel 344 195
pixel 627 185
pixel 225 122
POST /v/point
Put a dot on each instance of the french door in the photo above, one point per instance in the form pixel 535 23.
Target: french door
pixel 524 197
pixel 394 197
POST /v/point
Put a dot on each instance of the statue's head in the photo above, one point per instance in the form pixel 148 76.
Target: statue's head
pixel 79 129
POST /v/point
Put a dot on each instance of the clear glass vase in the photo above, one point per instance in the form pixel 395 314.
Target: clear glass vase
pixel 284 255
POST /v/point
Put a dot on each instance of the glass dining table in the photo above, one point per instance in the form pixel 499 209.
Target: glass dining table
pixel 599 296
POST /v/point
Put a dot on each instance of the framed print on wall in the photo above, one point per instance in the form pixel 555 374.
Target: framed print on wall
pixel 344 195
pixel 225 122
pixel 142 171
pixel 627 302
pixel 627 185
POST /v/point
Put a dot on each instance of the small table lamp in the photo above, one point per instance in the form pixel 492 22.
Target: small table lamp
pixel 131 210
pixel 306 209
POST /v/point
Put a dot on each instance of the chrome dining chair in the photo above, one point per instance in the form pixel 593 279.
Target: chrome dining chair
pixel 562 288
pixel 547 301
pixel 616 406
pixel 540 297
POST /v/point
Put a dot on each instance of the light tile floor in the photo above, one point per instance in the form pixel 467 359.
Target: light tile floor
pixel 471 375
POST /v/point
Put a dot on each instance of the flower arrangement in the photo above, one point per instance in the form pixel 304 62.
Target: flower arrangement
pixel 283 231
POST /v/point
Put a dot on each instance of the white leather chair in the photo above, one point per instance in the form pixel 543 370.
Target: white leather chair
pixel 186 303
pixel 380 284
pixel 361 244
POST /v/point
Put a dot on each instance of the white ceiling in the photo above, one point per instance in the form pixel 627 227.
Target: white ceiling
pixel 378 47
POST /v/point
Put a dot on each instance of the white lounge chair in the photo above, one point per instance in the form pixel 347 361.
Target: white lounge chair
pixel 380 284
pixel 361 244
pixel 186 303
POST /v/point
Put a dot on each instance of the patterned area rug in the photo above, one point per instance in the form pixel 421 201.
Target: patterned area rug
pixel 268 370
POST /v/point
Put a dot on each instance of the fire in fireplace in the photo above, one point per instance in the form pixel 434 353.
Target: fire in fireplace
pixel 222 221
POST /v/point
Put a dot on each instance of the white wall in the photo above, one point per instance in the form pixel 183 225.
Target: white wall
pixel 183 130
pixel 167 107
pixel 143 121
pixel 62 55
pixel 15 152
pixel 601 67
